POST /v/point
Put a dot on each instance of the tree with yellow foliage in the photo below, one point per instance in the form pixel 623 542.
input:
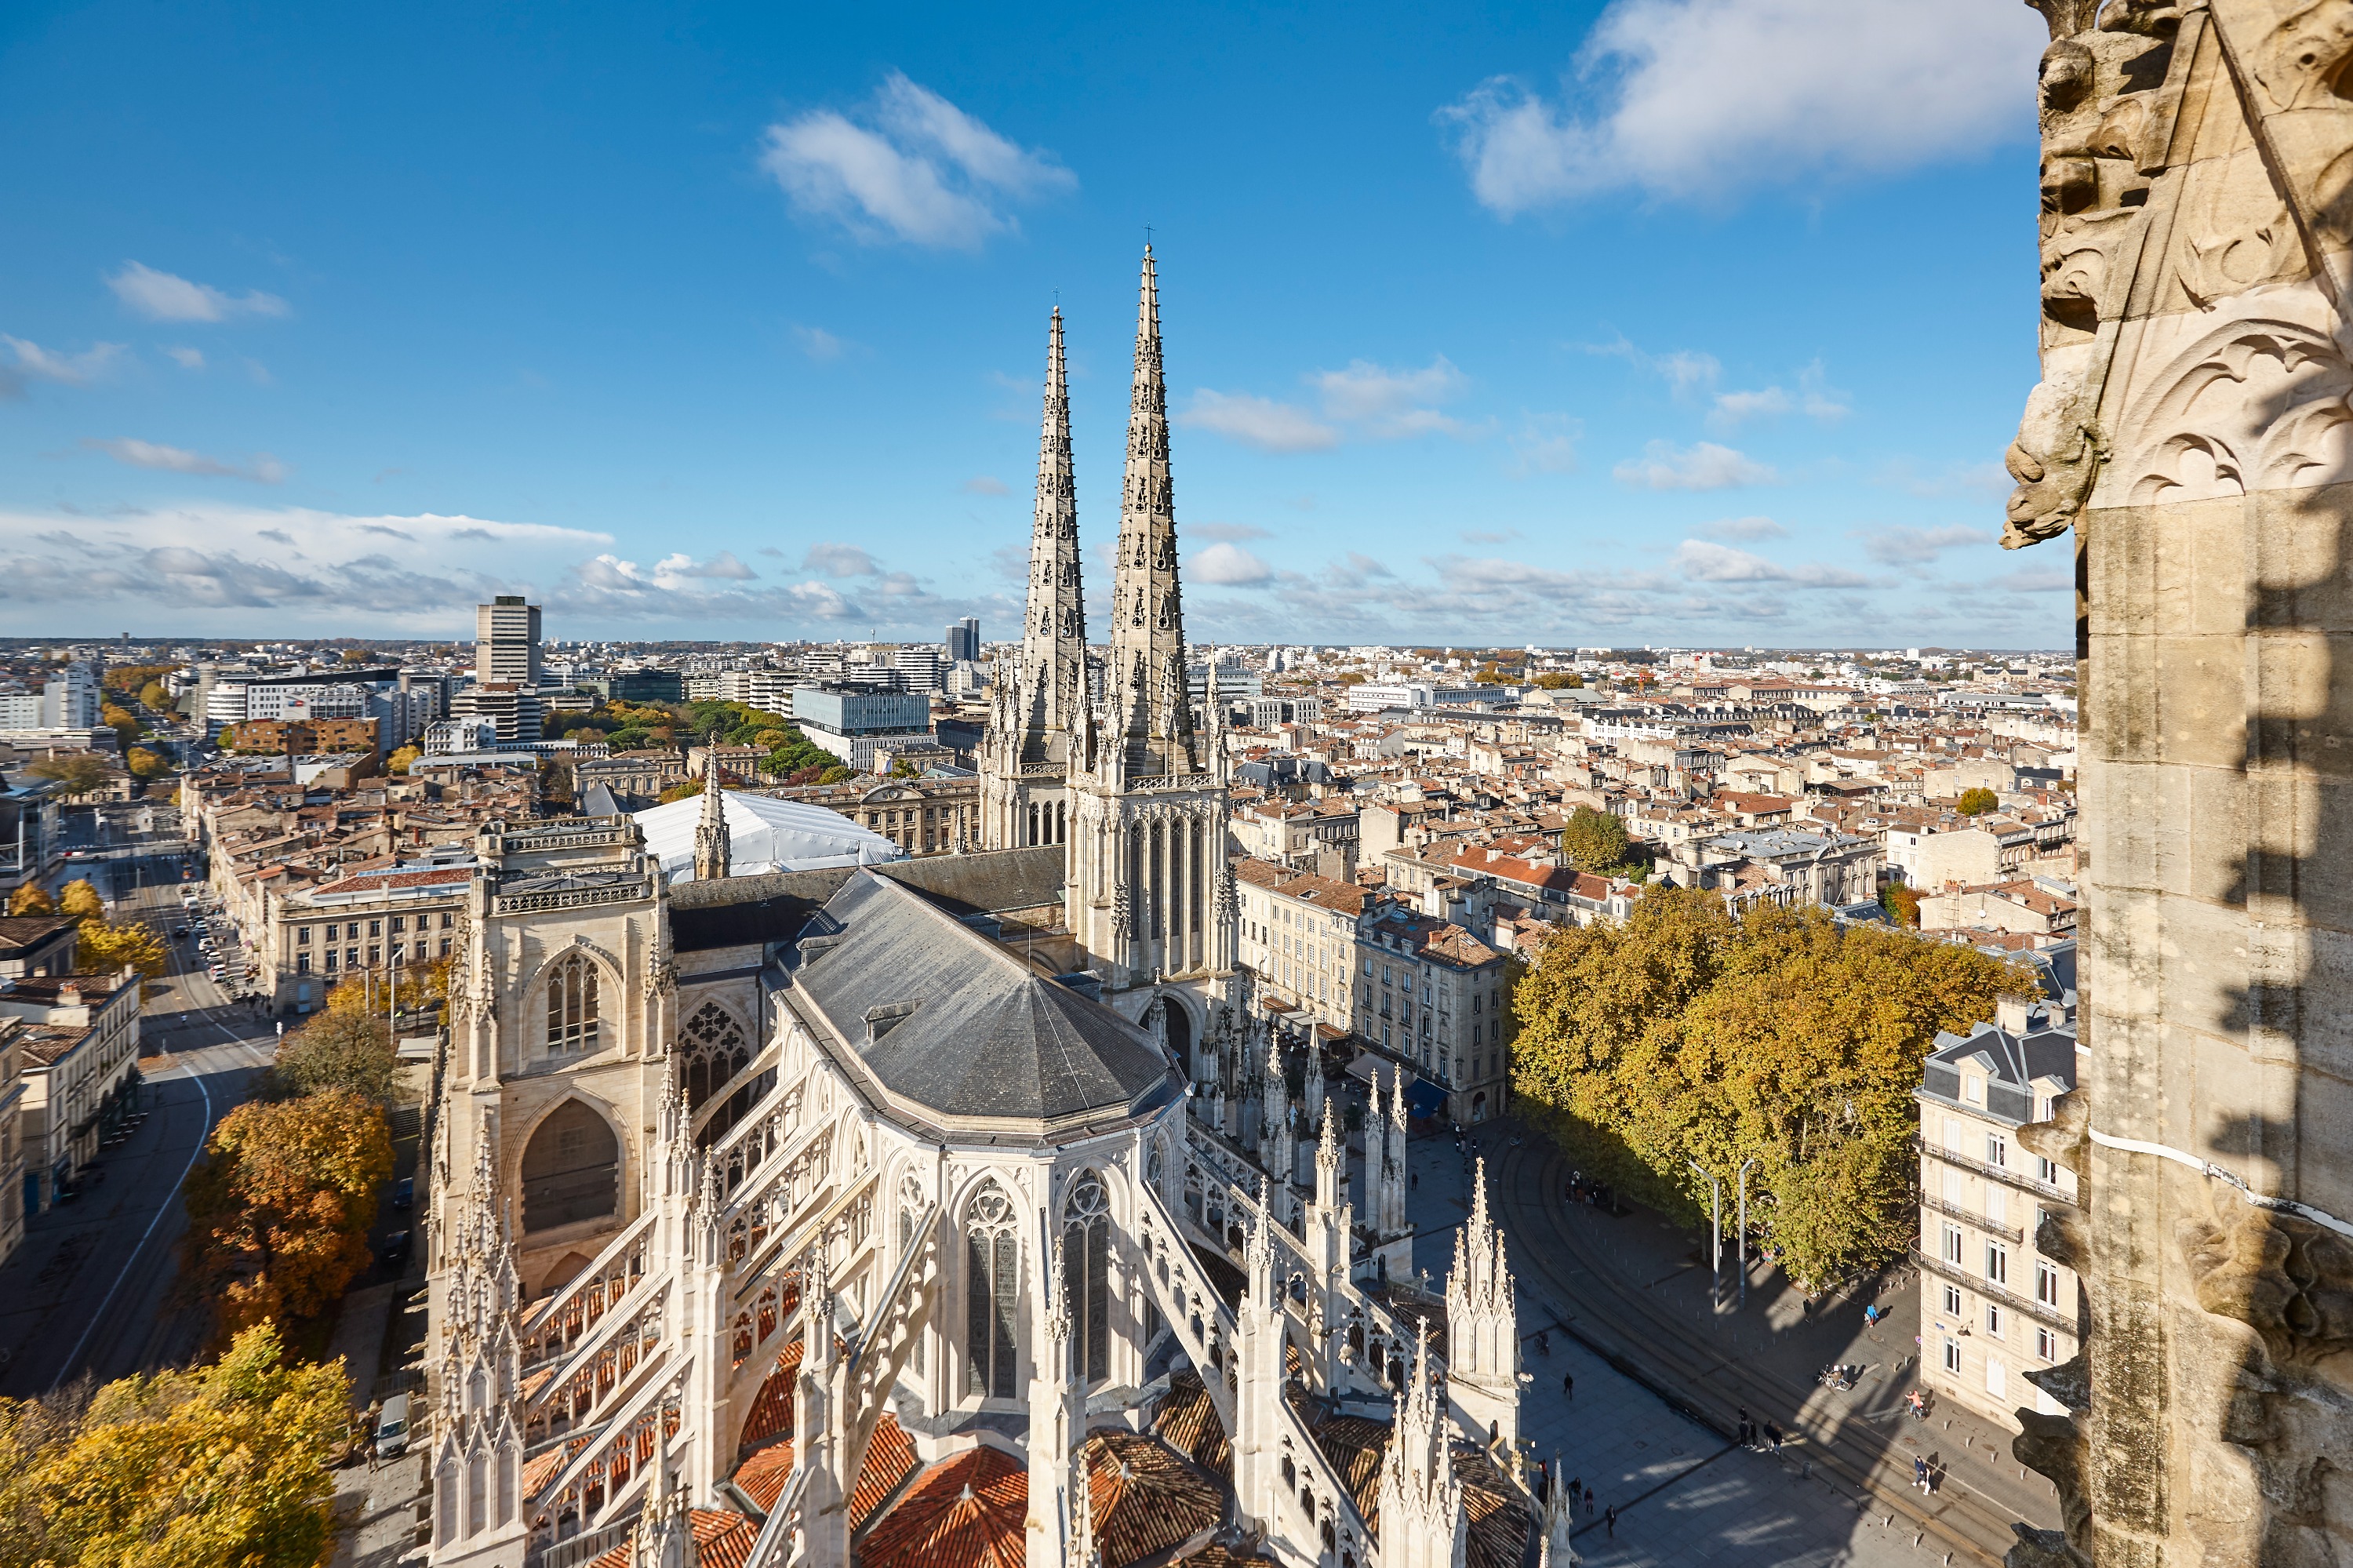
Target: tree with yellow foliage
pixel 401 760
pixel 279 1209
pixel 32 899
pixel 144 763
pixel 78 900
pixel 211 1466
pixel 1685 1034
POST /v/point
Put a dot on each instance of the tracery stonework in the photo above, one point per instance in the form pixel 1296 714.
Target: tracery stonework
pixel 2191 428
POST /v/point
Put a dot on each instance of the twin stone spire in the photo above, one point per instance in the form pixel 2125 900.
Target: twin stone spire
pixel 1147 727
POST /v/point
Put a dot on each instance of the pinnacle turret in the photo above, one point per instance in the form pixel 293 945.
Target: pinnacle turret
pixel 713 848
pixel 1051 690
pixel 1147 699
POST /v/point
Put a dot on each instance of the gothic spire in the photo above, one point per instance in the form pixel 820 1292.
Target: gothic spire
pixel 713 847
pixel 1053 669
pixel 1148 635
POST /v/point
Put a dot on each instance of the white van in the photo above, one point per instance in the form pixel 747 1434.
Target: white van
pixel 392 1428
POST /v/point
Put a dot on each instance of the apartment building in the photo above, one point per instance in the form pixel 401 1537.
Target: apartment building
pixel 11 1142
pixel 1992 1307
pixel 1431 994
pixel 404 916
pixel 1299 937
pixel 77 1053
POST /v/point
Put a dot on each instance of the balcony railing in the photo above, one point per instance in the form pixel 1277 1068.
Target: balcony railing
pixel 2001 1173
pixel 2041 1311
pixel 2008 1232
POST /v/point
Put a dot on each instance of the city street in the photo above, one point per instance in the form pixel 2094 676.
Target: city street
pixel 91 1288
pixel 1684 1490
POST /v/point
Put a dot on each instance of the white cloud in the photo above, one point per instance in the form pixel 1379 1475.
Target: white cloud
pixel 818 344
pixel 1743 530
pixel 985 484
pixel 1702 98
pixel 1684 370
pixel 1228 565
pixel 918 170
pixel 723 565
pixel 1813 398
pixel 264 469
pixel 1547 443
pixel 1704 466
pixel 1260 422
pixel 1371 401
pixel 1391 404
pixel 1899 546
pixel 185 357
pixel 165 297
pixel 839 561
pixel 1702 562
pixel 70 369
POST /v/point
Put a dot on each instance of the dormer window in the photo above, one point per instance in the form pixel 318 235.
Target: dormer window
pixel 1973 1088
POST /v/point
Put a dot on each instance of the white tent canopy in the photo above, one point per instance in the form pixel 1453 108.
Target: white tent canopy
pixel 763 834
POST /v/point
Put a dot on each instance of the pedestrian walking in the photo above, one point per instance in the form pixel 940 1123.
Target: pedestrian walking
pixel 1568 1385
pixel 1612 1518
pixel 1773 1435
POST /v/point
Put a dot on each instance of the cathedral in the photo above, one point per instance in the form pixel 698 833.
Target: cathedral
pixel 961 1210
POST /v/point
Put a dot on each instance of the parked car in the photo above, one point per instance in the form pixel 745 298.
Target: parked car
pixel 403 1193
pixel 391 1426
pixel 395 1249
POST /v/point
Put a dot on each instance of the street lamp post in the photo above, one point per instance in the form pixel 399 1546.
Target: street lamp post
pixel 1744 1229
pixel 1716 1236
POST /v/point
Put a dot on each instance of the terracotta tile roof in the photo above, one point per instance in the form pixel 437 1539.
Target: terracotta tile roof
pixel 721 1539
pixel 541 1468
pixel 1500 1522
pixel 1216 1556
pixel 1186 1420
pixel 1147 1500
pixel 762 1477
pixel 889 1459
pixel 967 1512
pixel 772 1408
pixel 1355 1445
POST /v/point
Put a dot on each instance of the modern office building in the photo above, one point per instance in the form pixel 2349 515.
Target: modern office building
pixel 849 720
pixel 506 642
pixel 964 639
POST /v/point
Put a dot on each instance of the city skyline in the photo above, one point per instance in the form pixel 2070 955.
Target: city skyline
pixel 1476 372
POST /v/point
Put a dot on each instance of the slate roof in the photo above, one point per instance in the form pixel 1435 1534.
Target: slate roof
pixel 774 905
pixel 943 1017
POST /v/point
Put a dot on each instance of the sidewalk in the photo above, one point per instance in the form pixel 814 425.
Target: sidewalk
pixel 1639 1287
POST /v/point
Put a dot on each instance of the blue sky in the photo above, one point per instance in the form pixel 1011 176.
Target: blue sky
pixel 1690 321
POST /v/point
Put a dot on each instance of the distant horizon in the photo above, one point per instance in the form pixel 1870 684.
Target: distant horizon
pixel 1746 650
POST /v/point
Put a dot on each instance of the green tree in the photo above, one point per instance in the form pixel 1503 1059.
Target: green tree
pixel 1594 841
pixel 279 1207
pixel 833 775
pixel 154 698
pixel 110 944
pixel 1977 802
pixel 1560 680
pixel 78 900
pixel 81 772
pixel 1685 1034
pixel 902 768
pixel 339 1048
pixel 210 1466
pixel 684 789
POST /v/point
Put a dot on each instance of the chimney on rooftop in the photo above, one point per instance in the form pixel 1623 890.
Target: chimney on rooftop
pixel 2010 1012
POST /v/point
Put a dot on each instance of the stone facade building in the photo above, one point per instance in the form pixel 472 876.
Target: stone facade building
pixel 2190 429
pixel 854 1197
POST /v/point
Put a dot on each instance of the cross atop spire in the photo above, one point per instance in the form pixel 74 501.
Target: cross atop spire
pixel 1148 709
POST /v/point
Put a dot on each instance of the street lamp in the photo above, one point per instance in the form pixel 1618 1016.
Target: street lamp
pixel 1716 1236
pixel 1744 1229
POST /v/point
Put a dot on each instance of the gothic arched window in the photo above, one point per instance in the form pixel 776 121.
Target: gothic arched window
pixel 713 1047
pixel 992 1293
pixel 572 1005
pixel 912 1207
pixel 571 1169
pixel 1086 1275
